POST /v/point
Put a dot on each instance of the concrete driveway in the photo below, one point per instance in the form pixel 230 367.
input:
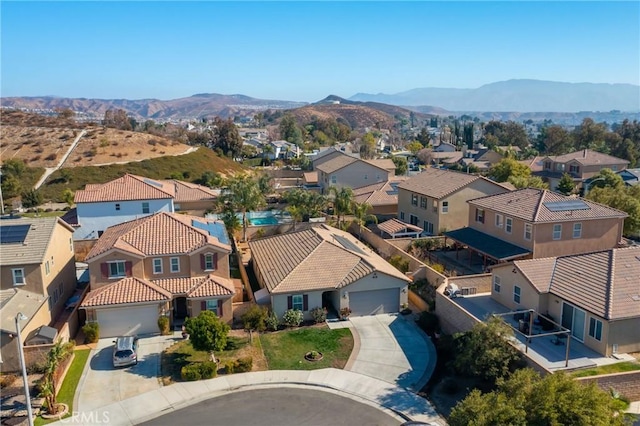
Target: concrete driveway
pixel 101 384
pixel 393 349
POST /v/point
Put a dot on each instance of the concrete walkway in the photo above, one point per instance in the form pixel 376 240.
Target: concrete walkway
pixel 48 171
pixel 150 405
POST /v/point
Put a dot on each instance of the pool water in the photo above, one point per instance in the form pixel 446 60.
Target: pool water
pixel 263 221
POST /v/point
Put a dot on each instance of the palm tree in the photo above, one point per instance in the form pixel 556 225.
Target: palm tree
pixel 296 214
pixel 231 221
pixel 58 353
pixel 361 216
pixel 342 201
pixel 266 150
pixel 242 194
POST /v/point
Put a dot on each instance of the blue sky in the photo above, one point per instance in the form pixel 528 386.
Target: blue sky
pixel 307 50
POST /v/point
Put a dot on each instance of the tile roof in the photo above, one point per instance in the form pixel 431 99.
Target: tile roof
pixel 159 234
pixel 336 163
pixel 379 194
pixel 605 283
pixel 36 242
pixel 530 204
pixel 126 290
pixel 393 226
pixel 126 188
pixel 440 183
pixel 318 258
pixel 195 287
pixel 186 191
pixel 383 163
pixel 587 157
pixel 310 177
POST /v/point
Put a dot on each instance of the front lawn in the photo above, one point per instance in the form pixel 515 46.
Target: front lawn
pixel 70 383
pixel 619 367
pixel 285 349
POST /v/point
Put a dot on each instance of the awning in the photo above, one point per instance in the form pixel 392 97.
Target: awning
pixel 486 244
pixel 396 228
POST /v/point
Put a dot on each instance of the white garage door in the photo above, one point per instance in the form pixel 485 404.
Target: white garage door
pixel 373 302
pixel 128 321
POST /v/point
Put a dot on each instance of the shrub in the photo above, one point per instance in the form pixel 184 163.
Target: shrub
pixel 319 315
pixel 399 263
pixel 7 380
pixel 292 318
pixel 255 318
pixel 429 322
pixel 51 157
pixel 438 267
pixel 230 366
pixel 163 325
pixel 91 332
pixel 208 369
pixel 272 321
pixel 199 370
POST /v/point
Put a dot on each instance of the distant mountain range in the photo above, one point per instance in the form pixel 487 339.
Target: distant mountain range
pixel 519 96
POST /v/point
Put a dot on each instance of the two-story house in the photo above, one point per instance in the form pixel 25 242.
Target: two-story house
pixel 343 170
pixel 580 165
pixel 535 223
pixel 436 199
pixel 129 197
pixel 37 277
pixel 164 264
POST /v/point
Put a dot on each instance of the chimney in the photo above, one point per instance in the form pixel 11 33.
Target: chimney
pixel 584 154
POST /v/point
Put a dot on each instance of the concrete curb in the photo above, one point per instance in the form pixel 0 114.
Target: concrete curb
pixel 356 349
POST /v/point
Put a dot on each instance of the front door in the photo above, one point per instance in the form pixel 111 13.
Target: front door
pixel 180 304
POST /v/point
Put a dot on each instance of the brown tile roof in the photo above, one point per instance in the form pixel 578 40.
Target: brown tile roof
pixel 439 183
pixel 587 157
pixel 605 283
pixel 196 287
pixel 379 194
pixel 530 204
pixel 383 163
pixel 126 290
pixel 126 188
pixel 159 234
pixel 310 177
pixel 318 258
pixel 186 191
pixel 393 226
pixel 336 163
pixel 536 164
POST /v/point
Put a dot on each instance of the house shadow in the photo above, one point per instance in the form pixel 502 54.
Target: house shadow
pixel 418 350
pixel 407 403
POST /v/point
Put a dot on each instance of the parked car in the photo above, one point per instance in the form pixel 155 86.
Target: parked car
pixel 125 351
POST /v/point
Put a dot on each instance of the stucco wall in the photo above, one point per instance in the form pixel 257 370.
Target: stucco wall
pixel 279 303
pixel 354 175
pixel 453 318
pixel 194 308
pixel 628 384
pixel 9 347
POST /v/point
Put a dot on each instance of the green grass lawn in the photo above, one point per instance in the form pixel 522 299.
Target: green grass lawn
pixel 70 383
pixel 285 349
pixel 619 367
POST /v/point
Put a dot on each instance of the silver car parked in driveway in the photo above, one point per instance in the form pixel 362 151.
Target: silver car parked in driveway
pixel 125 351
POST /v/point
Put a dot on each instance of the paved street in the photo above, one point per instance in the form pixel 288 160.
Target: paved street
pixel 278 406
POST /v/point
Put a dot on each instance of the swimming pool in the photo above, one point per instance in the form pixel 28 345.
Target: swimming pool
pixel 262 218
pixel 263 221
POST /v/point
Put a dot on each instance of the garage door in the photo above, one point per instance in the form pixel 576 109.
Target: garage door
pixel 374 302
pixel 128 321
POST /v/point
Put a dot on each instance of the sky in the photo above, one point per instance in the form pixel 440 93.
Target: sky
pixel 304 51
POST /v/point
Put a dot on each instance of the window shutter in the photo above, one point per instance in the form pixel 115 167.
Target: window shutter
pixel 104 268
pixel 128 266
pixel 220 308
pixel 305 302
pixel 203 305
pixel 289 302
pixel 215 261
pixel 202 265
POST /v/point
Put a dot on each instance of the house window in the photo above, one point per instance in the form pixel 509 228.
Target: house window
pixel 47 268
pixel 413 219
pixel 145 207
pixel 117 269
pixel 527 231
pixel 175 264
pixel 334 179
pixel 157 266
pixel 516 294
pixel 499 220
pixel 508 225
pixel 212 305
pixel 574 169
pixel 595 328
pixel 428 227
pixel 560 167
pixel 547 165
pixel 414 200
pixel 208 262
pixel 71 244
pixel 365 176
pixel 18 276
pixel 423 202
pixel 445 207
pixel 435 206
pixel 557 231
pixel 378 178
pixel 480 215
pixel 577 230
pixel 118 206
pixel 61 288
pixel 297 302
pixel 496 283
pixel 401 215
pixel 52 262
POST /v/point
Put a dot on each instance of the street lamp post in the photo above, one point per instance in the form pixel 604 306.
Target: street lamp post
pixel 25 379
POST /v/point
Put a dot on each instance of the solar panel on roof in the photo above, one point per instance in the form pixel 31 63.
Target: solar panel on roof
pixel 153 182
pixel 215 229
pixel 348 244
pixel 565 206
pixel 13 233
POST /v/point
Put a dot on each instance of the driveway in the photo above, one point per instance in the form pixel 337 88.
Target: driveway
pixel 393 349
pixel 101 384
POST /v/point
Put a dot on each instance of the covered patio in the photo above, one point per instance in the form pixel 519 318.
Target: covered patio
pixel 398 229
pixel 491 249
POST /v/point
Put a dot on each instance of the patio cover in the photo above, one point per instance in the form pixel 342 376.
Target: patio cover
pixel 396 228
pixel 486 244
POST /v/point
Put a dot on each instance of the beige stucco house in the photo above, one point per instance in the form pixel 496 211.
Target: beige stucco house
pixel 381 196
pixel 164 264
pixel 327 268
pixel 436 199
pixel 341 170
pixel 595 295
pixel 37 277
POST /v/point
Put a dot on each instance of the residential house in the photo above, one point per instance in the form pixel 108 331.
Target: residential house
pixel 381 196
pixel 580 165
pixel 163 264
pixel 444 147
pixel 330 153
pixel 37 277
pixel 282 150
pixel 342 170
pixel 129 197
pixel 436 199
pixel 482 158
pixel 595 295
pixel 434 158
pixel 328 268
pixel 537 223
pixel 630 177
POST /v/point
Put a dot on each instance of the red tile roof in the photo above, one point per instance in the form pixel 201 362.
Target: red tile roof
pixel 126 290
pixel 196 287
pixel 126 188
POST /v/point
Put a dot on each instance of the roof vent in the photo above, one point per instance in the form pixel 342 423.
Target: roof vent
pixel 636 298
